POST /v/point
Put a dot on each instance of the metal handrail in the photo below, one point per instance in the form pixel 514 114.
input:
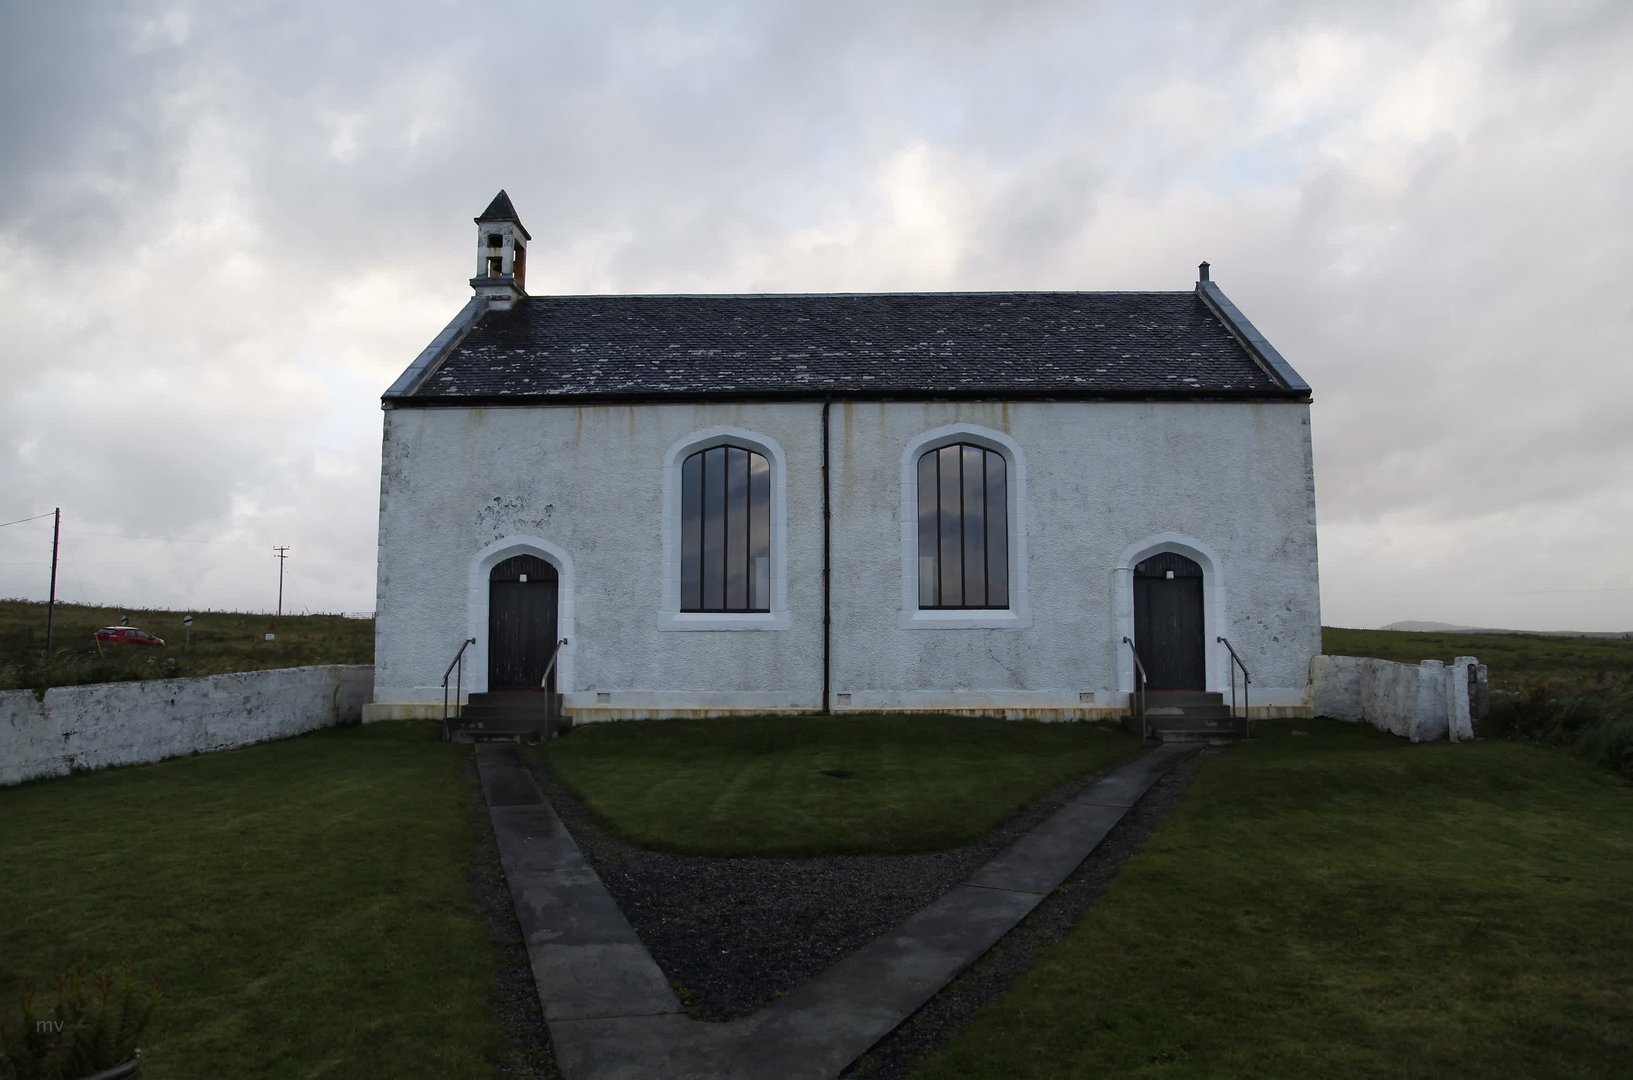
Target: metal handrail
pixel 555 653
pixel 1236 662
pixel 1140 680
pixel 459 681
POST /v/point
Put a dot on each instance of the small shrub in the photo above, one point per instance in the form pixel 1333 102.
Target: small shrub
pixel 1611 745
pixel 94 1023
pixel 1597 724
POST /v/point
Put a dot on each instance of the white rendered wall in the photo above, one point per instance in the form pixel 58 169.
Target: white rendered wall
pixel 1105 480
pixel 1421 702
pixel 587 486
pixel 1230 485
pixel 88 727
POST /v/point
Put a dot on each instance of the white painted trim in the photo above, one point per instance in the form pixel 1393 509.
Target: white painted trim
pixel 1213 604
pixel 740 700
pixel 893 700
pixel 476 622
pixel 1019 613
pixel 670 617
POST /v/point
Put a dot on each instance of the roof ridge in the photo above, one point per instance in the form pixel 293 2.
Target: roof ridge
pixel 836 295
pixel 815 296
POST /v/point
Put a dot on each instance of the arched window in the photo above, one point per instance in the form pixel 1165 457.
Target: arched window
pixel 963 526
pixel 725 531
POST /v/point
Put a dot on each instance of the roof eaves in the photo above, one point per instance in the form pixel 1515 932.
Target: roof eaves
pixel 1248 334
pixel 433 354
pixel 805 394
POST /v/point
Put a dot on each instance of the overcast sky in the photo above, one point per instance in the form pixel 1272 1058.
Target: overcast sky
pixel 225 228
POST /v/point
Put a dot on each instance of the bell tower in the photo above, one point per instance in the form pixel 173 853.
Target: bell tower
pixel 501 255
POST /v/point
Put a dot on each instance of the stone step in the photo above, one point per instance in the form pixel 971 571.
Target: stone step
pixel 1186 735
pixel 462 730
pixel 1197 712
pixel 506 716
pixel 1183 697
pixel 1205 723
pixel 500 712
pixel 1227 726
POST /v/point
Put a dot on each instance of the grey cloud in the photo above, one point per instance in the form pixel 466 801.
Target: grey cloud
pixel 1460 322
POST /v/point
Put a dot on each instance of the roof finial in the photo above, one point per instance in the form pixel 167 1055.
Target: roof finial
pixel 1202 271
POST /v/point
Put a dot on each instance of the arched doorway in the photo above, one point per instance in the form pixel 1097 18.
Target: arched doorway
pixel 1168 622
pixel 522 600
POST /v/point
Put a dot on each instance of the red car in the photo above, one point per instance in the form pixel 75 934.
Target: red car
pixel 126 635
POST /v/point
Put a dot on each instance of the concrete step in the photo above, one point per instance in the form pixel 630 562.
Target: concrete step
pixel 503 712
pixel 507 716
pixel 1194 736
pixel 1183 697
pixel 1190 730
pixel 1194 712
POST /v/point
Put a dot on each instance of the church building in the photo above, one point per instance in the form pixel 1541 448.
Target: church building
pixel 1009 503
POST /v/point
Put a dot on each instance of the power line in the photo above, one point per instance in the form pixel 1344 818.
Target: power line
pixel 162 539
pixel 19 521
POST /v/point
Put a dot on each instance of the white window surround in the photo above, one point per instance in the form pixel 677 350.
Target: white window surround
pixel 1019 613
pixel 670 616
pixel 1213 604
pixel 476 621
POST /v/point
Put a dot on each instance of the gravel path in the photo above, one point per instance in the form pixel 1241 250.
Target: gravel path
pixel 733 934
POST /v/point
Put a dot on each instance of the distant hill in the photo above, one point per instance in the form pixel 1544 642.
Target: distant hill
pixel 1422 627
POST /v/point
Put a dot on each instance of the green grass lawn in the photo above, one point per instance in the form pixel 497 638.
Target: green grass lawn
pixel 821 785
pixel 1339 903
pixel 304 904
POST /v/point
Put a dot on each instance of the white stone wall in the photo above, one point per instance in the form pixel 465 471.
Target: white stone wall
pixel 88 727
pixel 1230 484
pixel 1421 702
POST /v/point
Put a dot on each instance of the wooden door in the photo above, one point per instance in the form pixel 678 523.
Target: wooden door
pixel 521 623
pixel 1168 622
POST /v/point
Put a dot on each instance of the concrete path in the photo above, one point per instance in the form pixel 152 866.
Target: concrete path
pixel 610 1010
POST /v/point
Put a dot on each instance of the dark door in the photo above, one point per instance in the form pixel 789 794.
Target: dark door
pixel 1168 622
pixel 521 623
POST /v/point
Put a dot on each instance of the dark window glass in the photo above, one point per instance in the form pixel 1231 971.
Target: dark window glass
pixel 963 520
pixel 691 533
pixel 948 518
pixel 736 529
pixel 975 526
pixel 929 542
pixel 725 523
pixel 997 509
pixel 759 533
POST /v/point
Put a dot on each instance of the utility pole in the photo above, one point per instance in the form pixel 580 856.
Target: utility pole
pixel 51 605
pixel 280 553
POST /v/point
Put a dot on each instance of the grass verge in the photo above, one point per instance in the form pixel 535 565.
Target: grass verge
pixel 221 641
pixel 1327 900
pixel 866 784
pixel 1516 661
pixel 303 904
pixel 1570 692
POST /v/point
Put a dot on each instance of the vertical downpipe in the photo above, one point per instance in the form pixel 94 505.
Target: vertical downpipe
pixel 827 569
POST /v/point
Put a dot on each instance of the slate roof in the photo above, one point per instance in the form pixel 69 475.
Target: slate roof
pixel 1143 345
